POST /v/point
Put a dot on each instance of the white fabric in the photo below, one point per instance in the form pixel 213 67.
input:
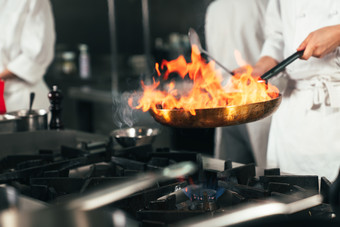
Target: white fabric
pixel 238 25
pixel 235 25
pixel 304 136
pixel 27 40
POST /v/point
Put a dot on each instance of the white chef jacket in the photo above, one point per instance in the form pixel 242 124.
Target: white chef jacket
pixel 304 135
pixel 27 40
pixel 238 25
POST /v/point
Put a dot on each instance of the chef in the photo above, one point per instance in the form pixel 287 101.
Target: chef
pixel 27 40
pixel 304 134
pixel 238 25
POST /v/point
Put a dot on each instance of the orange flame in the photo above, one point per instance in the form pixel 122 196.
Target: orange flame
pixel 206 90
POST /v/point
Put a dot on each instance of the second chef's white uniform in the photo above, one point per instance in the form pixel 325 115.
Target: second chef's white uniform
pixel 27 40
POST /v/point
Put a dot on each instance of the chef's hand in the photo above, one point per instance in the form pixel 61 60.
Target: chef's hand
pixel 6 74
pixel 263 65
pixel 320 42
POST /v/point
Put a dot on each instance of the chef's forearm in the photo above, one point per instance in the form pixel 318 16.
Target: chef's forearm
pixel 264 64
pixel 6 74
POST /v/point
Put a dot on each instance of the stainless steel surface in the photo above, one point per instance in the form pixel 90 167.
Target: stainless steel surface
pixel 136 136
pixel 113 193
pixel 90 94
pixel 8 123
pixel 8 197
pixel 30 142
pixel 216 117
pixel 146 39
pixel 13 206
pixel 195 40
pixel 249 213
pixel 81 210
pixel 114 48
pixel 55 217
pixel 31 120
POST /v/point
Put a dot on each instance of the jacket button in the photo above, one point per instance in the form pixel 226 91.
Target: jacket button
pixel 302 15
pixel 333 13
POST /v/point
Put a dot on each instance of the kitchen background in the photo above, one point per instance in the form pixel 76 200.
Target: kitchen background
pixel 119 59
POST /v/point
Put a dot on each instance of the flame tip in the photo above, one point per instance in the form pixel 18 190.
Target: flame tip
pixel 205 90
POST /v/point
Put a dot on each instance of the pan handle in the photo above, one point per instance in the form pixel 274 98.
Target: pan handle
pixel 282 65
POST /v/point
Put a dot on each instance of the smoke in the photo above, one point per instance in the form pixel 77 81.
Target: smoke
pixel 123 115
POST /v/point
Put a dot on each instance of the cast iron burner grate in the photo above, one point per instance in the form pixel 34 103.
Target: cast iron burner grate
pixel 50 175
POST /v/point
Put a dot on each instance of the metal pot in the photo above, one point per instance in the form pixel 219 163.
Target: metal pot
pixel 9 123
pixel 31 120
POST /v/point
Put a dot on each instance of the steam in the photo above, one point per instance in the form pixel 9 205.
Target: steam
pixel 123 115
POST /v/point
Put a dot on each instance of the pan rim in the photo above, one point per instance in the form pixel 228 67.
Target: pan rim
pixel 216 108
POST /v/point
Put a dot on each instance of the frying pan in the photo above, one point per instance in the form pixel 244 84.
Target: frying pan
pixel 225 116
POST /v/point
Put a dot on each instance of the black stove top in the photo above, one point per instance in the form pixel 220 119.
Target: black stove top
pixel 75 163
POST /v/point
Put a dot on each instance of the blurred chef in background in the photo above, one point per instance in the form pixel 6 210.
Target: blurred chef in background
pixel 238 25
pixel 27 41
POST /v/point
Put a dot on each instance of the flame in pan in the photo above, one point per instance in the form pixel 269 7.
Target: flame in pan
pixel 204 89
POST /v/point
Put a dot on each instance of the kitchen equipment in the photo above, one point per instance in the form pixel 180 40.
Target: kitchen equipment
pixel 32 95
pixel 248 213
pixel 31 120
pixel 217 117
pixel 282 65
pixel 54 166
pixel 55 97
pixel 135 136
pixel 225 116
pixel 9 123
pixel 80 210
pixel 195 40
pixel 114 192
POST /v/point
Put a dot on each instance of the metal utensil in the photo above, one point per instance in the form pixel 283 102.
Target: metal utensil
pixel 113 193
pixel 32 95
pixel 9 123
pixel 81 210
pixel 249 213
pixel 195 40
pixel 135 136
pixel 31 120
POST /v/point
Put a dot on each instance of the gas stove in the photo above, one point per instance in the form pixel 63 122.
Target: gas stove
pixel 63 169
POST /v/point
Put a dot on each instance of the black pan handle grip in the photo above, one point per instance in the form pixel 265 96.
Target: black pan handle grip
pixel 282 65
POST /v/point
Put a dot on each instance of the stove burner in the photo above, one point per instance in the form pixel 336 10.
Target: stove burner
pixel 205 202
pixel 51 175
pixel 203 194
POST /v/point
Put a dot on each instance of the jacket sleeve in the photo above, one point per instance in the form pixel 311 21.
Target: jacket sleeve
pixel 274 43
pixel 37 43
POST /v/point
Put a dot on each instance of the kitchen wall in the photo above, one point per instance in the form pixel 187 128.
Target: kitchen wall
pixel 87 21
